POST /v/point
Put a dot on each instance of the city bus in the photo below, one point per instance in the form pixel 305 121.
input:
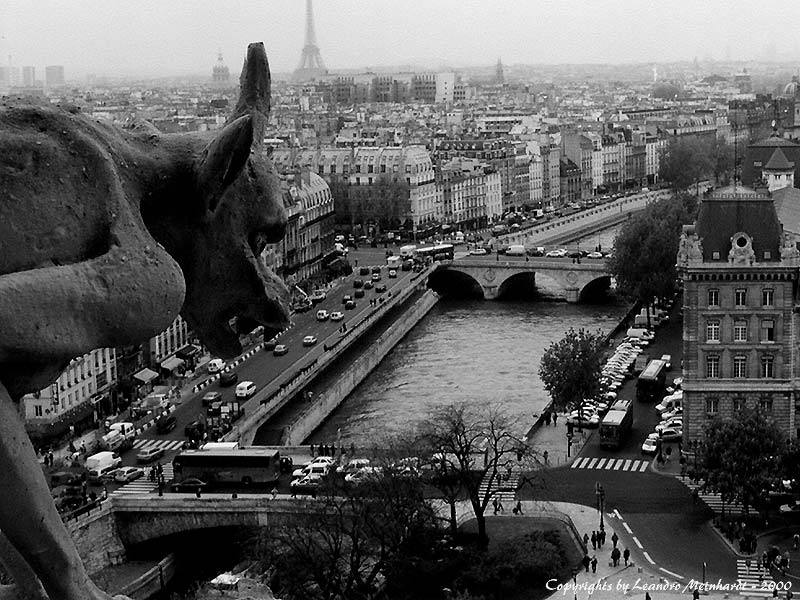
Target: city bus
pixel 438 252
pixel 220 466
pixel 650 385
pixel 616 424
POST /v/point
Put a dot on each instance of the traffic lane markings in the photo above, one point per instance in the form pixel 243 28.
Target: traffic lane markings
pixel 681 542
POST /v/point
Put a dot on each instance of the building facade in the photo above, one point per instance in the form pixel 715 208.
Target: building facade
pixel 739 292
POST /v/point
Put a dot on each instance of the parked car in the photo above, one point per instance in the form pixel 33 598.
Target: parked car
pixel 166 423
pixel 146 455
pixel 346 298
pixel 215 365
pixel 376 277
pixel 478 252
pixel 358 283
pixel 363 271
pixel 337 315
pixel 392 273
pixel 368 285
pixel 358 293
pixel 559 253
pixel 229 378
pixel 350 305
pixel 792 508
pixel 379 289
pixel 280 350
pixel 126 474
pixel 190 484
pixel 309 340
pixel 326 461
pixel 306 484
pixel 671 434
pixel 376 270
pixel 210 397
pixel 317 296
pixel 270 345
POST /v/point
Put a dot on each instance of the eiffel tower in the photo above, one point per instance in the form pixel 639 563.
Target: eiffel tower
pixel 311 65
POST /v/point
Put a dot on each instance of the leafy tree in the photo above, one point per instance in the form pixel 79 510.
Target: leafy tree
pixel 645 250
pixel 350 538
pixel 570 368
pixel 741 457
pixel 458 439
pixel 684 162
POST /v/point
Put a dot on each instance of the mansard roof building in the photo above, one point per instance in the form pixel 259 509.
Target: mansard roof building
pixel 740 273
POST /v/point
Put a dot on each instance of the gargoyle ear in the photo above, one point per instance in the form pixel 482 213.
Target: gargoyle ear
pixel 254 88
pixel 223 160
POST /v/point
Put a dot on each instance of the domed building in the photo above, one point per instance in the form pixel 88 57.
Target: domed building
pixel 792 89
pixel 220 74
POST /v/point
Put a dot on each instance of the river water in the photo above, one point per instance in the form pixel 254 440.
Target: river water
pixel 473 351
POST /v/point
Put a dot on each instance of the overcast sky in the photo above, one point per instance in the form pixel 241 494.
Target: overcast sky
pixel 171 37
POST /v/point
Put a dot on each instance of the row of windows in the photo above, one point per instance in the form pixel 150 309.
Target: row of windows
pixel 739 364
pixel 740 297
pixel 767 331
pixel 738 404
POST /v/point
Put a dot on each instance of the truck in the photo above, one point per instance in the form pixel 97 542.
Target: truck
pixel 101 465
pixel 394 262
pixel 616 424
pixel 408 251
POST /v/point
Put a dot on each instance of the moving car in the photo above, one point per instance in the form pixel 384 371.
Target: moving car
pixel 166 423
pixel 317 296
pixel 380 288
pixel 559 253
pixel 368 285
pixel 358 283
pixel 146 455
pixel 337 315
pixel 210 397
pixel 126 474
pixel 595 255
pixel 322 315
pixel 376 277
pixel 346 298
pixel 306 484
pixel 349 305
pixel 190 484
pixel 392 273
pixel 228 378
pixel 309 340
pixel 477 252
pixel 358 293
pixel 280 350
pixel 650 445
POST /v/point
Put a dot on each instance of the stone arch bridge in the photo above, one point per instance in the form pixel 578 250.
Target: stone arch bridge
pixel 572 281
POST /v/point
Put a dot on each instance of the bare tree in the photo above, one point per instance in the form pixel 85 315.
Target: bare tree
pixel 466 447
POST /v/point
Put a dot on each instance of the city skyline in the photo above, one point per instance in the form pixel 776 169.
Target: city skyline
pixel 183 38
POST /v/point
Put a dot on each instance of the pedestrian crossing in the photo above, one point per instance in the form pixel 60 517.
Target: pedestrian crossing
pixel 756 582
pixel 143 485
pixel 165 445
pixel 712 500
pixel 504 487
pixel 629 465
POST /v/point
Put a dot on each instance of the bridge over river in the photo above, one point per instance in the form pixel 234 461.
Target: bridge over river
pixel 495 276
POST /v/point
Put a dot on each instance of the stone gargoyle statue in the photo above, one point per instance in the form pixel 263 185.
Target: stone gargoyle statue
pixel 106 235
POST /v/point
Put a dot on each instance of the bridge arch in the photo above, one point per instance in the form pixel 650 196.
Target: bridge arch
pixel 595 290
pixel 520 285
pixel 452 282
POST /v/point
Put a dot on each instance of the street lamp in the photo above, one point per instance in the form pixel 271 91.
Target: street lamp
pixel 601 498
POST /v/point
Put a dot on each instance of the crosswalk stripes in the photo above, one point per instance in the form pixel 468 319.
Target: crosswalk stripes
pixel 712 500
pixel 755 582
pixel 504 489
pixel 629 465
pixel 143 485
pixel 165 445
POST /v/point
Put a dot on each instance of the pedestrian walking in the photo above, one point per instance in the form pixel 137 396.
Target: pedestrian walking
pixel 312 450
pixel 547 417
pixel 274 492
pixel 614 539
pixel 555 417
pixel 594 563
pixel 545 456
pixel 796 541
pixel 494 505
pixel 594 540
pixel 615 557
pixel 747 565
pixel 647 596
pixel 586 562
pixel 626 555
pixel 518 507
pixel 585 539
pixel 500 505
pixel 601 538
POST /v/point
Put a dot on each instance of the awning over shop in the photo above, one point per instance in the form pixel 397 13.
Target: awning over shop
pixel 188 352
pixel 145 375
pixel 172 363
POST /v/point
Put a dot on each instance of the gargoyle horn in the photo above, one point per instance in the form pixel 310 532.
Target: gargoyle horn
pixel 254 90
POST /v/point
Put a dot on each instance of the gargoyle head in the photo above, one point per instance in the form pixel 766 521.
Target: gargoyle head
pixel 229 291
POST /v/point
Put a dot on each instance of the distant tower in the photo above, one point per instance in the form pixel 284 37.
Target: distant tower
pixel 499 77
pixel 311 65
pixel 655 74
pixel 220 73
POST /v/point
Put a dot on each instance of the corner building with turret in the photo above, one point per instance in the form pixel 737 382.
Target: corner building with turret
pixel 740 301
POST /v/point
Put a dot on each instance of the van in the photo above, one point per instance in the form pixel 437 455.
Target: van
pixel 459 237
pixel 101 464
pixel 215 365
pixel 667 358
pixel 394 262
pixel 245 389
pixel 515 250
pixel 126 429
pixel 407 251
pixel 116 442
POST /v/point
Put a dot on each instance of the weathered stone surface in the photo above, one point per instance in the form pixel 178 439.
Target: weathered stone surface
pixel 105 236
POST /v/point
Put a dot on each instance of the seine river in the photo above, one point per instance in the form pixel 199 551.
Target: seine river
pixel 473 351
